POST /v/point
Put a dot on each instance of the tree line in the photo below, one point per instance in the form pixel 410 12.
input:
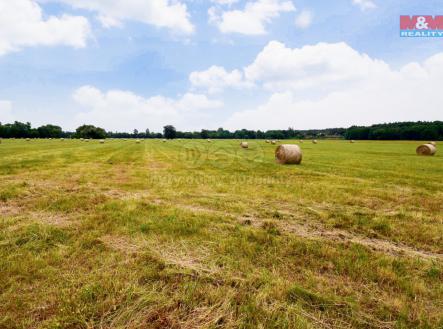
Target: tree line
pixel 390 131
pixel 398 131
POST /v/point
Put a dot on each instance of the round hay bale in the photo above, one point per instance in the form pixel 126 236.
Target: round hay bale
pixel 273 142
pixel 352 141
pixel 314 141
pixel 301 141
pixel 165 140
pixel 102 141
pixel 209 140
pixel 138 141
pixel 433 143
pixel 288 154
pixel 244 145
pixel 426 149
pixel 268 141
pixel 28 139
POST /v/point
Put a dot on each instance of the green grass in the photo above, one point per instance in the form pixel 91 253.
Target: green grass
pixel 191 234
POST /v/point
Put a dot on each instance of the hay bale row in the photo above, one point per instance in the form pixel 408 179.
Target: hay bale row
pixel 426 149
pixel 291 153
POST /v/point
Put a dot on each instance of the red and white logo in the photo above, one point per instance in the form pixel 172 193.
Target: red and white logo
pixel 421 26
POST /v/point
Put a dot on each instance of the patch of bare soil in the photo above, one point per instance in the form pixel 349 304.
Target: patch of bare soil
pixel 127 195
pixel 10 210
pixel 121 244
pixel 175 253
pixel 49 218
pixel 181 255
pixel 157 165
pixel 23 218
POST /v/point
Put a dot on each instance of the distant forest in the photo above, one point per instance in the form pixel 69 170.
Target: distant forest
pixel 388 131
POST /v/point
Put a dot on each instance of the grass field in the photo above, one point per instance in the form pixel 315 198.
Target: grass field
pixel 191 234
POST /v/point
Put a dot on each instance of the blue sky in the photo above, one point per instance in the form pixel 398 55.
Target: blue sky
pixel 275 63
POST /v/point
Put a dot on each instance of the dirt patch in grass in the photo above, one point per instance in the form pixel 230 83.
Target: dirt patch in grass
pixel 10 210
pixel 22 219
pixel 184 256
pixel 207 317
pixel 49 218
pixel 175 253
pixel 120 243
pixel 128 195
pixel 157 165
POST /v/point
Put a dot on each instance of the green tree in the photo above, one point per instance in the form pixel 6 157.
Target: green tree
pixel 50 131
pixel 169 132
pixel 204 134
pixel 89 131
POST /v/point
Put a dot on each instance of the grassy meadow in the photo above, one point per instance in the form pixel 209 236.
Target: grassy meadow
pixel 198 234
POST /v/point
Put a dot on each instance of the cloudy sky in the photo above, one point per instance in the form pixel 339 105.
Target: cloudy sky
pixel 258 64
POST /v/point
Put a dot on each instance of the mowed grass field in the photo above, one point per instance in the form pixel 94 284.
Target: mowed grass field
pixel 191 234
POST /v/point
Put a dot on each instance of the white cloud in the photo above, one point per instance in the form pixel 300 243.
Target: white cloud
pixel 304 19
pixel 6 112
pixel 216 79
pixel 160 13
pixel 252 19
pixel 108 21
pixel 360 90
pixel 123 110
pixel 225 2
pixel 365 4
pixel 279 68
pixel 22 25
